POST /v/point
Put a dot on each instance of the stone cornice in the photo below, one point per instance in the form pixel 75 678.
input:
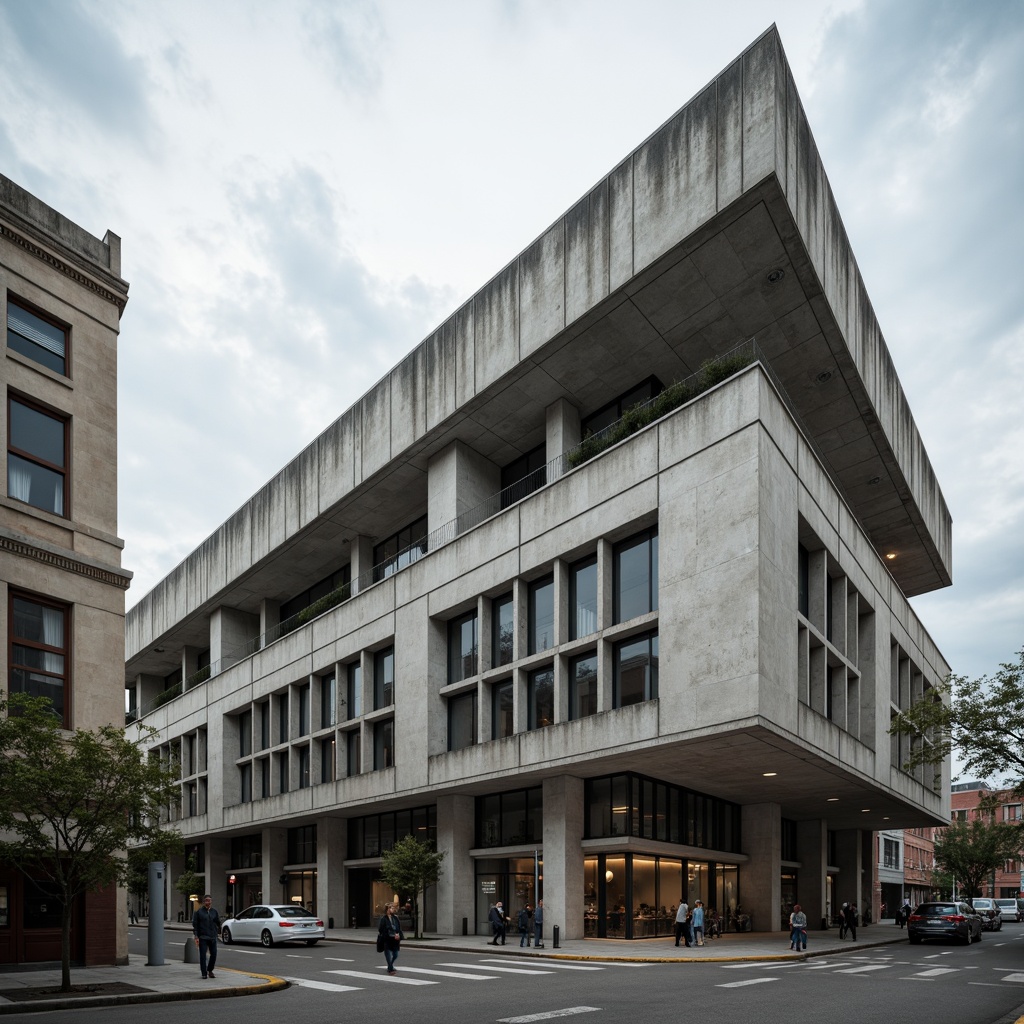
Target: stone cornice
pixel 62 267
pixel 67 563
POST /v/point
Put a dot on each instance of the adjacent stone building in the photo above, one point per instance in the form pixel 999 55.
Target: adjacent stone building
pixel 653 664
pixel 60 557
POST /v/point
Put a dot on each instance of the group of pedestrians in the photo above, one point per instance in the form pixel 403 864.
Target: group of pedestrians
pixel 690 923
pixel 848 921
pixel 529 921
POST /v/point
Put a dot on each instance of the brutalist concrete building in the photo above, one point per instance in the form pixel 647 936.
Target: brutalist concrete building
pixel 602 588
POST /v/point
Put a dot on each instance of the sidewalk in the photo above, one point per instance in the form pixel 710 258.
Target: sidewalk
pixel 138 983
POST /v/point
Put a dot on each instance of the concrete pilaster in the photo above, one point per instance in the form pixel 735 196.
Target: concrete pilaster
pixel 562 888
pixel 218 868
pixel 455 886
pixel 230 631
pixel 849 860
pixel 458 479
pixel 362 559
pixel 275 856
pixel 563 429
pixel 812 847
pixel 759 877
pixel 331 888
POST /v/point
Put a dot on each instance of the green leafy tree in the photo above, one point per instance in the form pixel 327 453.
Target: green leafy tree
pixel 71 804
pixel 409 867
pixel 942 883
pixel 982 719
pixel 188 882
pixel 971 850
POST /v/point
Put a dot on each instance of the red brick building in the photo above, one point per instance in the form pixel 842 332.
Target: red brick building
pixel 964 800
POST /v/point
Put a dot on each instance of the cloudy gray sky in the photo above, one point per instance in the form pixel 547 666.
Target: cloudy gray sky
pixel 306 188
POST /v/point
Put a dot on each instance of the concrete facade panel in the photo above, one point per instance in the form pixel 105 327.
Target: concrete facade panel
pixel 496 327
pixel 587 233
pixel 375 449
pixel 336 460
pixel 542 290
pixel 441 371
pixel 730 134
pixel 761 66
pixel 621 259
pixel 408 399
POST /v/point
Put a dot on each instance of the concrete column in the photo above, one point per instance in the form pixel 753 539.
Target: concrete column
pixel 331 890
pixel 275 856
pixel 230 632
pixel 812 846
pixel 850 861
pixel 455 886
pixel 148 687
pixel 458 480
pixel 218 867
pixel 270 615
pixel 563 431
pixel 562 889
pixel 189 664
pixel 759 877
pixel 362 559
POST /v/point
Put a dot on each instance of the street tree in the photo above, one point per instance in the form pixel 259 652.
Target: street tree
pixel 188 882
pixel 409 867
pixel 982 719
pixel 971 850
pixel 72 803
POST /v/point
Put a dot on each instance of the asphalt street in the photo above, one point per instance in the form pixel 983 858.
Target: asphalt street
pixel 340 981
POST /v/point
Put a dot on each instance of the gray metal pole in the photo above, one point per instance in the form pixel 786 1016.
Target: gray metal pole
pixel 156 914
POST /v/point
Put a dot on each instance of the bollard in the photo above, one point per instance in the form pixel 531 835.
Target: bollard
pixel 554 937
pixel 330 922
pixel 191 951
pixel 465 926
pixel 353 916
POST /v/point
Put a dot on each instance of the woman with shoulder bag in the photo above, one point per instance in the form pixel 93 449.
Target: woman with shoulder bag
pixel 389 937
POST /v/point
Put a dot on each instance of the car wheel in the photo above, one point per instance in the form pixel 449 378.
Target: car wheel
pixel 225 936
pixel 915 940
pixel 968 938
pixel 312 942
pixel 266 938
pixel 979 938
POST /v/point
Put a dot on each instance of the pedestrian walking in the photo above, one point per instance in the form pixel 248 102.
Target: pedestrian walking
pixel 389 937
pixel 525 923
pixel 497 919
pixel 850 915
pixel 797 928
pixel 682 915
pixel 904 912
pixel 697 923
pixel 538 925
pixel 842 920
pixel 206 928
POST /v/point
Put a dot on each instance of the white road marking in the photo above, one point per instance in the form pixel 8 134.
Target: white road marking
pixel 299 956
pixel 1013 977
pixel 247 952
pixel 749 981
pixel 545 963
pixel 500 970
pixel 935 972
pixel 567 1012
pixel 825 967
pixel 340 959
pixel 864 970
pixel 383 977
pixel 444 974
pixel 323 986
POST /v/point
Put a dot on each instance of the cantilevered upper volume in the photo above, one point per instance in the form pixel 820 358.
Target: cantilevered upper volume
pixel 720 227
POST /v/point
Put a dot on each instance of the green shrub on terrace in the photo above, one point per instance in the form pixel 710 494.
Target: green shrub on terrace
pixel 168 695
pixel 712 372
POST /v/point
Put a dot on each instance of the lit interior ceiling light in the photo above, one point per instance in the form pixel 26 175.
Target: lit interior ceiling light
pixel 833 799
pixel 890 555
pixel 769 775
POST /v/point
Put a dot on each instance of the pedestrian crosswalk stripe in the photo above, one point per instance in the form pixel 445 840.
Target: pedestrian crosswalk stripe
pixel 557 964
pixel 444 974
pixel 323 986
pixel 935 972
pixel 530 1017
pixel 382 977
pixel 748 981
pixel 500 970
pixel 1013 977
pixel 862 970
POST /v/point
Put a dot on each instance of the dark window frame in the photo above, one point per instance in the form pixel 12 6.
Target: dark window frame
pixel 650 537
pixel 503 648
pixel 31 345
pixel 532 645
pixel 498 691
pixel 383 689
pixel 65 651
pixel 534 696
pixel 456 706
pixel 463 664
pixel 574 697
pixel 63 470
pixel 574 597
pixel 383 751
pixel 651 676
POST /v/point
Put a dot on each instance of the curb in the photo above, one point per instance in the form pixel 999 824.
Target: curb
pixel 270 984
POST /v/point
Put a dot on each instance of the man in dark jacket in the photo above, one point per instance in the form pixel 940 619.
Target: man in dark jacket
pixel 206 928
pixel 497 919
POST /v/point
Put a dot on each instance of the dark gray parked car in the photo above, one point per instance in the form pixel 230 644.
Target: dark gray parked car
pixel 945 920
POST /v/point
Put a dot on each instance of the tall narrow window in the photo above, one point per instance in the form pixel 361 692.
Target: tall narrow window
pixel 304 767
pixel 502 720
pixel 636 576
pixel 36 456
pixel 38 654
pixel 264 763
pixel 583 686
pixel 304 710
pixel 327 770
pixel 282 772
pixel 328 701
pixel 282 718
pixel 803 580
pixel 43 341
pixel 264 724
pixel 245 781
pixel 636 670
pixel 541 696
pixel 583 599
pixel 462 721
pixel 353 761
pixel 462 648
pixel 542 615
pixel 245 734
pixel 355 690
pixel 383 745
pixel 384 678
pixel 502 625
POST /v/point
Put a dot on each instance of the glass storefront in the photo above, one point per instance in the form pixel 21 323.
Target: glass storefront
pixel 634 896
pixel 511 880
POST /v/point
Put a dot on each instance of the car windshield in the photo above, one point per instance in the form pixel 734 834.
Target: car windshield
pixel 292 912
pixel 980 903
pixel 936 909
pixel 1011 904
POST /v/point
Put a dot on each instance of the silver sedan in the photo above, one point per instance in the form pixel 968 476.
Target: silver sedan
pixel 272 924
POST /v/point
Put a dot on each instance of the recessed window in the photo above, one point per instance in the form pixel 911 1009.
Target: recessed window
pixel 384 678
pixel 327 759
pixel 503 625
pixel 245 782
pixel 462 647
pixel 542 615
pixel 583 686
pixel 264 766
pixel 400 549
pixel 304 767
pixel 617 408
pixel 383 745
pixel 636 670
pixel 245 734
pixel 353 760
pixel 462 721
pixel 282 772
pixel 541 697
pixel 636 576
pixel 42 340
pixel 264 713
pixel 328 701
pixel 38 652
pixel 524 476
pixel 502 720
pixel 304 710
pixel 583 598
pixel 36 456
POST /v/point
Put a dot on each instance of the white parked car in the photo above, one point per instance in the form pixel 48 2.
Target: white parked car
pixel 1008 910
pixel 272 924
